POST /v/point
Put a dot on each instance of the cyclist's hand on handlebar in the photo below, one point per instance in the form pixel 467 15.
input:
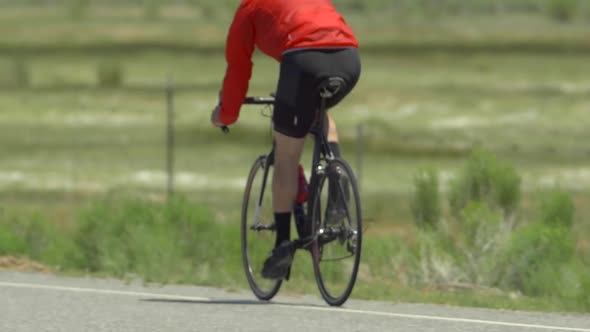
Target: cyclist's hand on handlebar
pixel 215 117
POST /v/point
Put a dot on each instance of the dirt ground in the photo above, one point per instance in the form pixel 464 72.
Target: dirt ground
pixel 20 264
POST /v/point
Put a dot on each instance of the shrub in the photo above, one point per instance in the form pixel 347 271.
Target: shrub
pixel 582 295
pixel 556 208
pixel 467 253
pixel 11 242
pixel 480 245
pixel 426 205
pixel 479 239
pixel 175 241
pixel 483 198
pixel 159 241
pixel 429 260
pixel 34 237
pixel 387 257
pixel 485 179
pixel 573 285
pixel 533 256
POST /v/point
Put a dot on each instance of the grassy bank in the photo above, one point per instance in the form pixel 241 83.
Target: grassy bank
pixel 183 242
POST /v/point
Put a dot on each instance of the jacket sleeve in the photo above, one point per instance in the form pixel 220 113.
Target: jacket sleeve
pixel 238 54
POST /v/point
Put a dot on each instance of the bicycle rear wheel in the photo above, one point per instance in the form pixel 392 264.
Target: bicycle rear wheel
pixel 258 229
pixel 337 227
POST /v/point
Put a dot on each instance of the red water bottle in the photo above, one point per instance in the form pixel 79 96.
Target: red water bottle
pixel 302 192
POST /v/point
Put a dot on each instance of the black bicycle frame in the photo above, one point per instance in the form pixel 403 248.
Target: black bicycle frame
pixel 321 146
pixel 270 158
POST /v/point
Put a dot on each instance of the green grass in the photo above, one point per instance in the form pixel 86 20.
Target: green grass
pixel 181 242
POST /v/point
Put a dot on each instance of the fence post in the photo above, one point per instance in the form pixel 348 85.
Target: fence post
pixel 170 137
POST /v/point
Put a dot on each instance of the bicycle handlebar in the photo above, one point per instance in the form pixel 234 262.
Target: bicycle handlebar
pixel 259 100
pixel 253 101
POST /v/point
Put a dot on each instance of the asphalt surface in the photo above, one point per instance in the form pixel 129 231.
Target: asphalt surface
pixel 43 302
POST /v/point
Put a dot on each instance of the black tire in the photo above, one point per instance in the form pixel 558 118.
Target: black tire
pixel 256 244
pixel 336 249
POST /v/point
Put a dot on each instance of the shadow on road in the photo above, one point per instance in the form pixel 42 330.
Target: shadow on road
pixel 229 302
pixel 236 302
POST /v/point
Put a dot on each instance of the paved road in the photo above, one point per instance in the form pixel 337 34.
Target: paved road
pixel 42 302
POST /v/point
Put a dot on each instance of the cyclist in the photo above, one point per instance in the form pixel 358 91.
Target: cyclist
pixel 312 42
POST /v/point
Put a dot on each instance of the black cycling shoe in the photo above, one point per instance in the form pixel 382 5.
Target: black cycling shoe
pixel 278 264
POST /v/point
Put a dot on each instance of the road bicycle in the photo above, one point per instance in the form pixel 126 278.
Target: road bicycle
pixel 329 224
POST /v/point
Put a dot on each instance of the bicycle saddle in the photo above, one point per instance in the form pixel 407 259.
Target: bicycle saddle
pixel 331 86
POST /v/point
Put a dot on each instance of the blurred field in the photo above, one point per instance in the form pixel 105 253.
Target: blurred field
pixel 382 26
pixel 63 133
pixel 433 88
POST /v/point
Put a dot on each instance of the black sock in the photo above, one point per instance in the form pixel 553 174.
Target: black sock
pixel 283 222
pixel 335 149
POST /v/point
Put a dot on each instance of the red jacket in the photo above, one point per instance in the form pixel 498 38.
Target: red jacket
pixel 275 26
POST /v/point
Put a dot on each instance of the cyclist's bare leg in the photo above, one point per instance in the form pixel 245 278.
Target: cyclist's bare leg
pixel 330 129
pixel 331 132
pixel 284 190
pixel 284 185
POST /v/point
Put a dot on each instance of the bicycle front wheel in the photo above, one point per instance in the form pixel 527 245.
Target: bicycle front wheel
pixel 337 227
pixel 258 229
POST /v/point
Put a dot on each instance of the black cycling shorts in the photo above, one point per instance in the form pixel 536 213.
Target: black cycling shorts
pixel 297 95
